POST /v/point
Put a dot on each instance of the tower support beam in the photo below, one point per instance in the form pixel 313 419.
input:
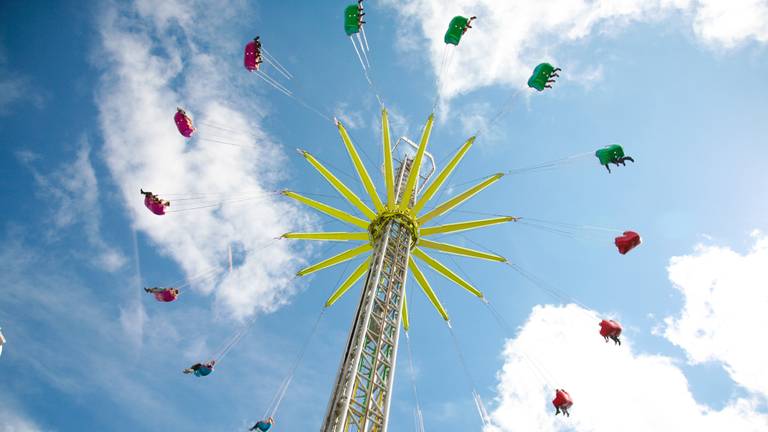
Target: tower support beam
pixel 363 387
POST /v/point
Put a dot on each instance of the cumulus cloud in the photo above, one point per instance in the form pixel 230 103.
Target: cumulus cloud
pixel 731 22
pixel 509 37
pixel 154 59
pixel 723 317
pixel 72 192
pixel 614 388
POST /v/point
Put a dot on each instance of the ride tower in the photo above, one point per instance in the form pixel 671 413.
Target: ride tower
pixel 394 233
pixel 363 388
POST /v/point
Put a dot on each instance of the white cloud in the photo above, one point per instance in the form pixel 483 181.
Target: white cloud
pixel 68 341
pixel 724 313
pixel 614 388
pixel 14 419
pixel 731 22
pixel 399 124
pixel 12 422
pixel 153 61
pixel 351 119
pixel 15 87
pixel 66 336
pixel 12 89
pixel 509 38
pixel 72 192
pixel 480 118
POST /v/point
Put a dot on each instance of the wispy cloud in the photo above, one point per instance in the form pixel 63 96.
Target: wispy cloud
pixel 62 336
pixel 154 59
pixel 15 88
pixel 480 118
pixel 399 124
pixel 72 193
pixel 12 419
pixel 69 338
pixel 350 118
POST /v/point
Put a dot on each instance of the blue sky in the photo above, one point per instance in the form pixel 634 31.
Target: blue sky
pixel 88 95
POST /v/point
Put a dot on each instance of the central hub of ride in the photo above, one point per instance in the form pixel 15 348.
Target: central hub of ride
pixel 402 217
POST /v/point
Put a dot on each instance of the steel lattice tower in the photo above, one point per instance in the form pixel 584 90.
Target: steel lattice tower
pixel 363 389
pixel 395 232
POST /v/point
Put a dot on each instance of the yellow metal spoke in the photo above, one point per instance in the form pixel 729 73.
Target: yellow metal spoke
pixel 458 250
pixel 424 284
pixel 460 198
pixel 389 176
pixel 360 168
pixel 406 323
pixel 328 236
pixel 413 176
pixel 336 259
pixel 445 271
pixel 463 226
pixel 351 280
pixel 325 208
pixel 339 185
pixel 440 179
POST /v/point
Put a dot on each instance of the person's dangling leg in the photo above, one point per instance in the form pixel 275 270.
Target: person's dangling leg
pixel 193 368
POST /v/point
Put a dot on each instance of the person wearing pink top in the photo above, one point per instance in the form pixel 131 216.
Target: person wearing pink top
pixel 165 295
pixel 183 123
pixel 252 59
pixel 154 203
